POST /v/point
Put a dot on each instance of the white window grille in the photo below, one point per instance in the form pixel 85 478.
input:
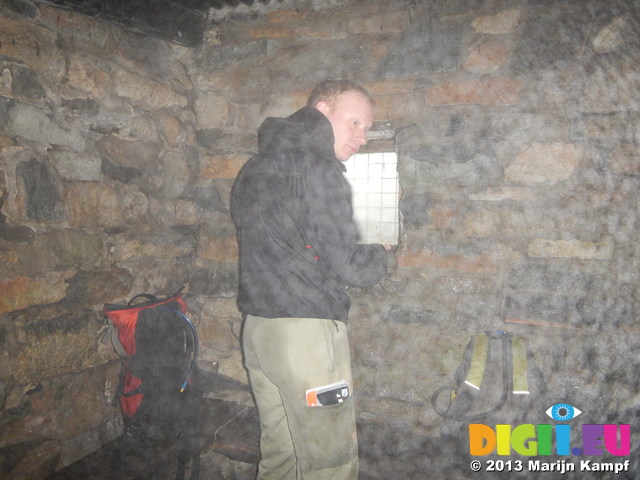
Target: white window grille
pixel 376 192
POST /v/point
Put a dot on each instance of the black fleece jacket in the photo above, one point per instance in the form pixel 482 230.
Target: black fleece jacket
pixel 291 206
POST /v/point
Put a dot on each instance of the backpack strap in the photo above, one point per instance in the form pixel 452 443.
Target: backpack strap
pixel 111 337
pixel 475 374
pixel 475 359
pixel 520 365
pixel 505 354
pixel 148 296
pixel 482 346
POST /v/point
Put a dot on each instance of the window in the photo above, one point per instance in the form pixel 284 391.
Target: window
pixel 376 192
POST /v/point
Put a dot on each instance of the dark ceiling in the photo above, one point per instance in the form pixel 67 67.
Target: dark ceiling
pixel 179 21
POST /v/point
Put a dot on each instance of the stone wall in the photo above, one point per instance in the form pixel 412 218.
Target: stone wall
pixel 517 130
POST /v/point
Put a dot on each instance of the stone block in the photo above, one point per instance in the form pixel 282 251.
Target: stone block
pixel 604 94
pixel 450 285
pixel 482 224
pixel 558 279
pixel 128 152
pixel 496 91
pixel 75 166
pixel 171 130
pixel 41 322
pixel 519 194
pixel 186 212
pixel 285 16
pixel 397 108
pixel 540 163
pixel 23 292
pixel 209 138
pixel 79 447
pixel 39 462
pixel 428 259
pixel 221 343
pixel 231 366
pixel 211 110
pixel 99 287
pixel 214 278
pixel 509 127
pixel 271 32
pixel 337 58
pixel 88 74
pixel 283 105
pixel 391 22
pixel 5 142
pixel 224 56
pixel 547 248
pixel 220 249
pixel 624 160
pixel 170 175
pixel 424 48
pixel 608 130
pixel 222 166
pixel 76 248
pixel 121 173
pixel 467 169
pixel 46 407
pixel 181 213
pixel 209 198
pixel 34 45
pixel 442 218
pixel 415 209
pixel 134 205
pixel 41 191
pixel 23 8
pixel 157 245
pixel 552 39
pixel 391 87
pixel 617 313
pixel 34 124
pixel 404 314
pixel 91 204
pixel 84 32
pixel 615 35
pixel 145 92
pixel 481 312
pixel 20 83
pixel 552 311
pixel 505 21
pixel 48 357
pixel 487 57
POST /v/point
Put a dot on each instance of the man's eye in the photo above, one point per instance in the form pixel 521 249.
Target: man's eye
pixel 563 412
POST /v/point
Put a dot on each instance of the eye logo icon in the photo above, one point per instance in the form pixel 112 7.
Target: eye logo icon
pixel 563 412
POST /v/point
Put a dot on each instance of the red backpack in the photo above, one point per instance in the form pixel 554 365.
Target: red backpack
pixel 158 347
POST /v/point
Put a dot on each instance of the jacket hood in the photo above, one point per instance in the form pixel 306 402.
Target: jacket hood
pixel 308 127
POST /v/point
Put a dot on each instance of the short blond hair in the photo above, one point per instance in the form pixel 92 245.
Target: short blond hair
pixel 328 90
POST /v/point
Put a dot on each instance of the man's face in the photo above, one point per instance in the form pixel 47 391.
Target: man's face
pixel 351 116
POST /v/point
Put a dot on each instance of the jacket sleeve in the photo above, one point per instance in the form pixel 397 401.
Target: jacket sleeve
pixel 335 232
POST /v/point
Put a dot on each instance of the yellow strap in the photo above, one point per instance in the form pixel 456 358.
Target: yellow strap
pixel 519 355
pixel 478 361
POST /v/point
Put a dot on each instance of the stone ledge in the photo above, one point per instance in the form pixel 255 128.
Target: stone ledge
pixel 230 429
pixel 222 422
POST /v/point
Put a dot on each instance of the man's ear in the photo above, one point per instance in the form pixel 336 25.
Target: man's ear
pixel 323 106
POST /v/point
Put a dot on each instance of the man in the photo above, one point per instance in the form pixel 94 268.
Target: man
pixel 298 253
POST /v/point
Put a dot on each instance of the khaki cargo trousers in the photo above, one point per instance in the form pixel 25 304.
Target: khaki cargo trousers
pixel 284 357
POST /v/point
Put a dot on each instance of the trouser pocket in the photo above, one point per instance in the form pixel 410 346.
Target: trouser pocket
pixel 330 435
